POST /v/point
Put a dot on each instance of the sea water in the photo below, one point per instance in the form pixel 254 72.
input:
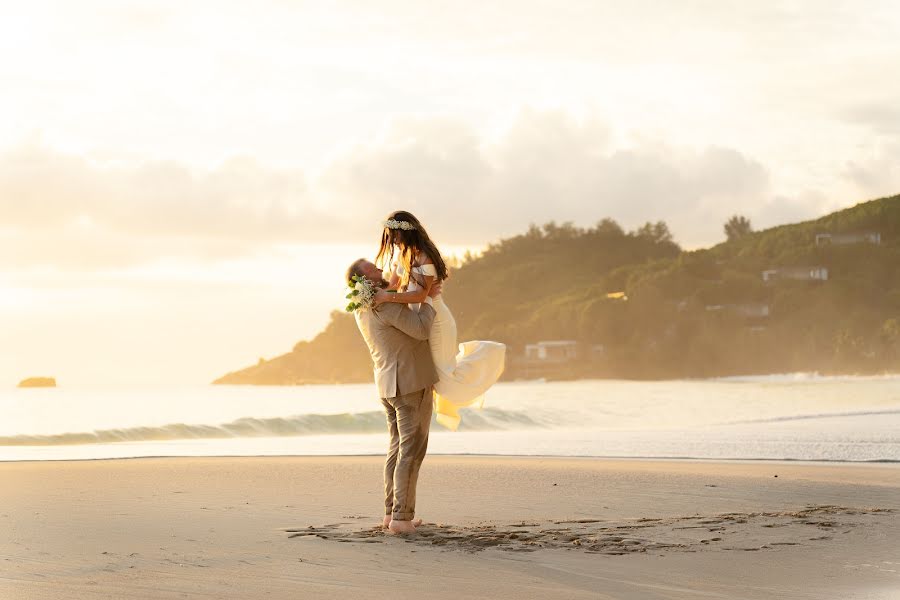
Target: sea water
pixel 780 417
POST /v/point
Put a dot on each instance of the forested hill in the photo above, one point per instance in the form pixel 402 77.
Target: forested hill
pixel 828 305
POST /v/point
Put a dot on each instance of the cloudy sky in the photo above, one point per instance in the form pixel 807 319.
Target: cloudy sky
pixel 181 184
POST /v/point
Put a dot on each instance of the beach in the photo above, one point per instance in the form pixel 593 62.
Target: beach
pixel 498 527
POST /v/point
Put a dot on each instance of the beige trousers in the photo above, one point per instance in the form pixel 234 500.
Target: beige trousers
pixel 408 421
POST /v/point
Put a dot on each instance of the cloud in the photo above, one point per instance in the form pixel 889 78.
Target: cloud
pixel 63 210
pixel 880 118
pixel 781 209
pixel 40 188
pixel 469 189
pixel 876 168
pixel 878 174
pixel 547 166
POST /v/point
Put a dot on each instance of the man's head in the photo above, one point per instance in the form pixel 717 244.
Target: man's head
pixel 367 269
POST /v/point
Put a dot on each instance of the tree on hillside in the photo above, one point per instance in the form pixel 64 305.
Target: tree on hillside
pixel 656 232
pixel 737 227
pixel 609 227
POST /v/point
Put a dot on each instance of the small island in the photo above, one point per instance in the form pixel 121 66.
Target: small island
pixel 36 382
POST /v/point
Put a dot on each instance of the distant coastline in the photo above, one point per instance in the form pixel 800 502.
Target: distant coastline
pixel 782 375
pixel 572 303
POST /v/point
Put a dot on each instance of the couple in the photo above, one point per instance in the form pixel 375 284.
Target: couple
pixel 411 336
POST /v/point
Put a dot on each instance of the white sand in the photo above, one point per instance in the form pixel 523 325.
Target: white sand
pixel 216 528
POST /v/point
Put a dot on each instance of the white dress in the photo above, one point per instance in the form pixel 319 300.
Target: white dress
pixel 464 375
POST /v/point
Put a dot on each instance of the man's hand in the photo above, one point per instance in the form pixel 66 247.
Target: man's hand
pixel 381 297
pixel 435 290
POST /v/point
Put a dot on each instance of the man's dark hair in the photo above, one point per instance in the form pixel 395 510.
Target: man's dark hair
pixel 354 270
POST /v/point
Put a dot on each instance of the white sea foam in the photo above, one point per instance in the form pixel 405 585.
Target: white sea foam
pixel 806 376
pixel 773 417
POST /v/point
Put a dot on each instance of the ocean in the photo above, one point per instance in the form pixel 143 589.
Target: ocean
pixel 801 416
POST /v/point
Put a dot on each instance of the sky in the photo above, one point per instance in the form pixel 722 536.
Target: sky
pixel 182 184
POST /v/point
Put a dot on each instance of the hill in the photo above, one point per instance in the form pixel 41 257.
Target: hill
pixel 633 304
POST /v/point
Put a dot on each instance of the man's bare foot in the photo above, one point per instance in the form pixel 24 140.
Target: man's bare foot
pixel 401 527
pixel 387 522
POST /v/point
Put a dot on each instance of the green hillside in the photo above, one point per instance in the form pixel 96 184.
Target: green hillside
pixel 687 314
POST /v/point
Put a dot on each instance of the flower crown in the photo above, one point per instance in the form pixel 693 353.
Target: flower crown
pixel 362 293
pixel 395 224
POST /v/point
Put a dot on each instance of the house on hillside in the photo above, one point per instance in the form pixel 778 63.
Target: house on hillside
pixel 558 351
pixel 797 273
pixel 845 239
pixel 556 360
pixel 750 310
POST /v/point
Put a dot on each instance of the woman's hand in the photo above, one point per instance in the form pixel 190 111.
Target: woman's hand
pixel 381 297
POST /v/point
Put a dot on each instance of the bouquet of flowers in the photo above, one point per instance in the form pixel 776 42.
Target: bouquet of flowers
pixel 362 293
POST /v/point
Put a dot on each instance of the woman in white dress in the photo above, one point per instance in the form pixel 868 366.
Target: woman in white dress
pixel 415 264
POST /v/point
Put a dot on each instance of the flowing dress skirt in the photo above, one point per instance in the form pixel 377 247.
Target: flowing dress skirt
pixel 465 372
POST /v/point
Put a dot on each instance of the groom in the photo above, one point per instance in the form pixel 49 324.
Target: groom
pixel 397 338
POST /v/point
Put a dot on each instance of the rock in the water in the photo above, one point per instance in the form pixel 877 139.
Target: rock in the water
pixel 38 382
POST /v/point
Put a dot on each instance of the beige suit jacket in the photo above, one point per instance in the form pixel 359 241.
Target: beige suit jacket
pixel 397 337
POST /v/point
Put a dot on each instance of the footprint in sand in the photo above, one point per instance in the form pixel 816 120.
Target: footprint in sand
pixel 748 532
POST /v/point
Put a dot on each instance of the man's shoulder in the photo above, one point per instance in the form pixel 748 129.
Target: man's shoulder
pixel 386 311
pixel 374 315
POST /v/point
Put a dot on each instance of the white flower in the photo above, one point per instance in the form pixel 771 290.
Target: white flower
pixel 395 224
pixel 363 295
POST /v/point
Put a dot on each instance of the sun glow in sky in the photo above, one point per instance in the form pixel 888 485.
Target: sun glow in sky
pixel 181 184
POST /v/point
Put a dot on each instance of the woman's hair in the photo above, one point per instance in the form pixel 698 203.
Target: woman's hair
pixel 409 242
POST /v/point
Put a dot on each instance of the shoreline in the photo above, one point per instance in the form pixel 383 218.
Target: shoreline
pixel 672 459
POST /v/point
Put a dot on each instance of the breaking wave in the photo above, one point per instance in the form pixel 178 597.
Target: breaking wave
pixel 488 419
pixel 804 377
pixel 811 416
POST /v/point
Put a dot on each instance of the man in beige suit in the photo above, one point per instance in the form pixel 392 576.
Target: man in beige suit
pixel 397 338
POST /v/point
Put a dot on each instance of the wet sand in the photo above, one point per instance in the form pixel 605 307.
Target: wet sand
pixel 297 527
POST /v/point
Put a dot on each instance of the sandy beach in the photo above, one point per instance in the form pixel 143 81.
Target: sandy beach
pixel 301 527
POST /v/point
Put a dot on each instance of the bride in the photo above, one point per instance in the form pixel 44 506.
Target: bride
pixel 415 265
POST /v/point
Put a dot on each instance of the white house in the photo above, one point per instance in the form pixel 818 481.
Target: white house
pixel 747 309
pixel 843 239
pixel 552 351
pixel 752 309
pixel 799 273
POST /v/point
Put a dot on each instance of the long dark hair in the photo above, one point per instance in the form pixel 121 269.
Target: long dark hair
pixel 409 242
